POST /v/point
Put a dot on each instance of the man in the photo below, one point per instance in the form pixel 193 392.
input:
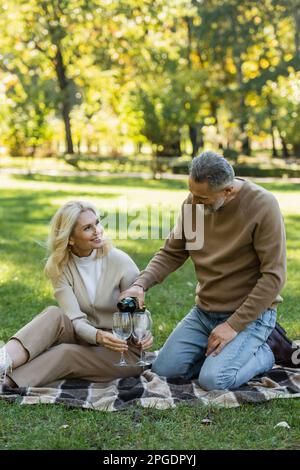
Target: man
pixel 240 268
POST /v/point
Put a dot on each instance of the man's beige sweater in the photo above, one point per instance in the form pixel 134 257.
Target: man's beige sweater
pixel 241 267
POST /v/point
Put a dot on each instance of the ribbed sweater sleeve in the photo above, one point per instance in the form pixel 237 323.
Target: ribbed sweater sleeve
pixel 85 330
pixel 67 300
pixel 169 258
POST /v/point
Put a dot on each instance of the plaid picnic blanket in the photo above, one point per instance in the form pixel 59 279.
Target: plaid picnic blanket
pixel 151 390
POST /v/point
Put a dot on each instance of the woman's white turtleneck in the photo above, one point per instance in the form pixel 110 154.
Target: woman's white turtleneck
pixel 89 268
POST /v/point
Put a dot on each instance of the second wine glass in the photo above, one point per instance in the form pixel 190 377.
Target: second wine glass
pixel 141 327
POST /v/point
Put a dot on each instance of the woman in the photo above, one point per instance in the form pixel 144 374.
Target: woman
pixel 75 339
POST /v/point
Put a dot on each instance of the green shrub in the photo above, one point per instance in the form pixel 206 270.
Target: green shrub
pixel 231 154
pixel 182 168
pixel 248 170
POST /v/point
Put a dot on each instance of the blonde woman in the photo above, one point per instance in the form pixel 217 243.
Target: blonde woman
pixel 75 339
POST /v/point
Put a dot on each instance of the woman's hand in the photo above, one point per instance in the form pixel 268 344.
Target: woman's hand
pixel 110 341
pixel 146 343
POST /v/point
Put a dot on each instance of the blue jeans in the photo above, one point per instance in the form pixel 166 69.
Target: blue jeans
pixel 245 356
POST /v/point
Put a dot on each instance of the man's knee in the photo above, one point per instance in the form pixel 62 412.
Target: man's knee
pixel 168 368
pixel 215 380
pixel 159 368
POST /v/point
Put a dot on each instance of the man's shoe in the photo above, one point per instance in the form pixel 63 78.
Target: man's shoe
pixel 286 353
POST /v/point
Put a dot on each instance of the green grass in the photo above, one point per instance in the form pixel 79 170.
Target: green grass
pixel 26 206
pixel 133 163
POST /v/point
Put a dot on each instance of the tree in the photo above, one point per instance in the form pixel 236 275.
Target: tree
pixel 47 26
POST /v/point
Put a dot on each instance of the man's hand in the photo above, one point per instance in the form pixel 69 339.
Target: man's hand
pixel 134 291
pixel 219 337
pixel 110 341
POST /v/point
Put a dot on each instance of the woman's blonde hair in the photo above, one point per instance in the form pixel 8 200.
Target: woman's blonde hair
pixel 61 228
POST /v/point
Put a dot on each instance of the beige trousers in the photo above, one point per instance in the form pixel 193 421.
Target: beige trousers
pixel 55 352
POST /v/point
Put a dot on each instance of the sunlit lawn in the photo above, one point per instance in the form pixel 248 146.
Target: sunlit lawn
pixel 26 205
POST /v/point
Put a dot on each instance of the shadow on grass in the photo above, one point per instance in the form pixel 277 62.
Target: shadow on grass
pixel 280 187
pixel 142 182
pixel 29 208
pixel 33 207
pixel 107 181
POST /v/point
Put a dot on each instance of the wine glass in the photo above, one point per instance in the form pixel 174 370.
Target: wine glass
pixel 141 327
pixel 122 328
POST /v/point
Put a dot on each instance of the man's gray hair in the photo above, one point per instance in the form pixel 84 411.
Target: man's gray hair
pixel 211 167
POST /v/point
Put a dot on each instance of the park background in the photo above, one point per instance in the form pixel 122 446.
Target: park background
pixel 109 99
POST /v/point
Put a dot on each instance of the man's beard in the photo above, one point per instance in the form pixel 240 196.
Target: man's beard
pixel 211 209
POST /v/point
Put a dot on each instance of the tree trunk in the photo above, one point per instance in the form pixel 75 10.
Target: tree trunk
pixel 170 149
pixel 285 152
pixel 196 138
pixel 272 125
pixel 138 148
pixel 246 148
pixel 66 105
pixel 296 148
pixel 79 146
pixel 213 107
pixel 246 145
pixel 245 140
pixel 88 145
pixel 66 118
pixel 274 150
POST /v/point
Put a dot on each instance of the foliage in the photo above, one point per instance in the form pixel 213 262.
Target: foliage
pixel 170 75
